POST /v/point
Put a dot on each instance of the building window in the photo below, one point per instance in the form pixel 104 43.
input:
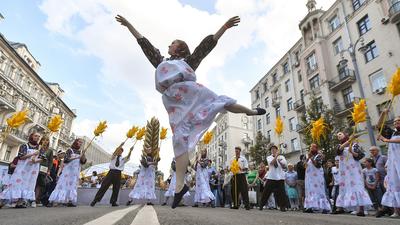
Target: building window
pixel 295 144
pixel 364 25
pixel 314 82
pixel 7 155
pixel 302 95
pixel 299 77
pixel 265 86
pixel 275 95
pixel 259 127
pixel 268 136
pixel 334 23
pixel 320 104
pixel 378 81
pixel 277 112
pixel 289 104
pixel 292 124
pixel 257 94
pixel 348 96
pixel 286 68
pixel 338 45
pixel 268 118
pixel 311 62
pixel 266 102
pixel 274 78
pixel 371 51
pixel 287 85
pixel 357 4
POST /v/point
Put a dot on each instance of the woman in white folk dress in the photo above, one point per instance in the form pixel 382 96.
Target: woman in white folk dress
pixel 191 106
pixel 21 186
pixel 315 194
pixel 66 190
pixel 352 193
pixel 391 198
pixel 203 194
pixel 144 189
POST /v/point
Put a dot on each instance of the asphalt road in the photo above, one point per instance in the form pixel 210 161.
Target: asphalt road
pixel 157 215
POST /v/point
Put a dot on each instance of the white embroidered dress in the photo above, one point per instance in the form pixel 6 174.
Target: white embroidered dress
pixel 352 192
pixel 315 195
pixel 203 192
pixel 145 185
pixel 22 182
pixel 391 198
pixel 171 189
pixel 66 189
pixel 191 106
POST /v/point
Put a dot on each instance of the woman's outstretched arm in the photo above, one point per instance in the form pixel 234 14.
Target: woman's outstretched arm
pixel 232 22
pixel 152 53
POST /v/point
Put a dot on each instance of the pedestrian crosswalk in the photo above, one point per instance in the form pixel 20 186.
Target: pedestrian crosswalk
pixel 146 215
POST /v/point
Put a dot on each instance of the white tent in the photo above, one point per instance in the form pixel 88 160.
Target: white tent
pixel 129 169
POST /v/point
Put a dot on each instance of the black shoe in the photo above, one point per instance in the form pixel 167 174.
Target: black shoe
pixel 164 204
pixel 341 211
pixel 261 208
pixel 248 208
pixel 379 214
pixel 309 210
pixel 360 214
pixel 129 202
pixel 71 205
pixel 283 209
pixel 93 203
pixel 149 203
pixel 234 207
pixel 325 211
pixel 114 204
pixel 195 206
pixel 261 111
pixel 178 196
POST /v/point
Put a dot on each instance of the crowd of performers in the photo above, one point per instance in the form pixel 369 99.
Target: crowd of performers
pixel 352 183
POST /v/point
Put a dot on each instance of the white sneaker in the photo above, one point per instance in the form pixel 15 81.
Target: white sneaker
pixel 366 213
pixel 353 213
pixel 33 204
pixel 394 215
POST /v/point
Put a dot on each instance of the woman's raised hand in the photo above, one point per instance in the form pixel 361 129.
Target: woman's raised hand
pixel 232 22
pixel 122 20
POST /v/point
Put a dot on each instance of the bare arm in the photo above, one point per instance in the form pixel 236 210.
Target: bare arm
pixel 125 22
pixel 387 140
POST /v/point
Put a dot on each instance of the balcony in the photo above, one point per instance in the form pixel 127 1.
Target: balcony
pixel 299 105
pixel 7 100
pixel 276 102
pixel 394 12
pixel 345 78
pixel 343 109
pixel 15 135
pixel 247 141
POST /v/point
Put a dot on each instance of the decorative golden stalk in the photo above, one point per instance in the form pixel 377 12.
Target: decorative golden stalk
pixel 55 123
pixel 151 140
pixel 318 130
pixel 13 122
pixel 394 90
pixel 131 133
pixel 99 130
pixel 208 137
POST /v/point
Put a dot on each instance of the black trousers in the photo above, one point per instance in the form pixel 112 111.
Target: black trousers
pixel 278 188
pixel 239 186
pixel 113 177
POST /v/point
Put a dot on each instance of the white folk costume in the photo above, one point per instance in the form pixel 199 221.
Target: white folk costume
pixel 315 195
pixel 203 192
pixel 191 106
pixel 352 191
pixel 66 190
pixel 21 185
pixel 145 184
pixel 391 198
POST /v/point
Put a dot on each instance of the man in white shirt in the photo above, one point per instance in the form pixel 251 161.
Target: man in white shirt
pixel 113 176
pixel 239 181
pixel 275 180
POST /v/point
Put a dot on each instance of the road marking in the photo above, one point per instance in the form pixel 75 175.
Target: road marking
pixel 147 215
pixel 112 217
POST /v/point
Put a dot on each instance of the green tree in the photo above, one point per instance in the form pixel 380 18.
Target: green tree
pixel 314 111
pixel 259 151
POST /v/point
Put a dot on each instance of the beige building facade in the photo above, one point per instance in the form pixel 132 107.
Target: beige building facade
pixel 22 88
pixel 351 35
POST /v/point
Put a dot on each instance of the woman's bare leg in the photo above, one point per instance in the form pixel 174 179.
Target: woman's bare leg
pixel 237 108
pixel 182 163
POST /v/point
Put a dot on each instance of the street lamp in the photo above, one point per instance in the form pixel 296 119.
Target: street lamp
pixel 343 62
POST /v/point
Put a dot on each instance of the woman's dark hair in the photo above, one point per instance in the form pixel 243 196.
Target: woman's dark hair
pixel 371 161
pixel 183 49
pixel 45 137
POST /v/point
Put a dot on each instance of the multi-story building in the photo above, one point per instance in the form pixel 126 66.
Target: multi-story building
pixel 22 88
pixel 230 130
pixel 94 153
pixel 344 54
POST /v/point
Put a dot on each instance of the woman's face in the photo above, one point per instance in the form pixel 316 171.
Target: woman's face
pixel 45 142
pixel 340 136
pixel 397 123
pixel 172 49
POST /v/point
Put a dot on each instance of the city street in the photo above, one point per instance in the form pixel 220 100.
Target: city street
pixel 149 215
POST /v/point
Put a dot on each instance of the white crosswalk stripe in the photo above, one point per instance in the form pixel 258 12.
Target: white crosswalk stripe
pixel 147 215
pixel 112 217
